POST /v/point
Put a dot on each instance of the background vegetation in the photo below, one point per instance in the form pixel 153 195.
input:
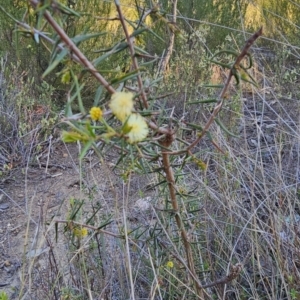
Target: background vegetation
pixel 236 191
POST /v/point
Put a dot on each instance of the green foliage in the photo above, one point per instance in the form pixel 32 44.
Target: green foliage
pixel 3 296
pixel 222 16
pixel 199 219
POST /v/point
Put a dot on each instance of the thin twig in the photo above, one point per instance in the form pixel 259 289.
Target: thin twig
pixel 222 97
pixel 132 53
pixel 219 105
pixel 184 236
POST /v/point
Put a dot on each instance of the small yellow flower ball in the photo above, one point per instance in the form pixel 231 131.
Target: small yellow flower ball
pixel 136 128
pixel 170 264
pixel 121 105
pixel 80 232
pixel 96 113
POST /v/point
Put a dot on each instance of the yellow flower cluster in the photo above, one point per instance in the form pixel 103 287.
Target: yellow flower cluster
pixel 135 126
pixel 96 113
pixel 121 105
pixel 170 264
pixel 80 232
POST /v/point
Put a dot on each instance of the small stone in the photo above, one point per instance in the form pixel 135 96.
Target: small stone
pixel 7 263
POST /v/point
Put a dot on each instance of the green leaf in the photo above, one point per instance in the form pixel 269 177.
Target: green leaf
pixel 140 50
pixel 222 126
pixel 250 60
pixel 105 223
pixel 203 101
pixel 55 63
pixel 74 213
pixel 78 93
pixel 67 10
pixel 213 85
pixel 157 36
pixel 236 75
pixel 98 95
pixel 98 60
pixel 81 38
pixel 228 66
pixel 120 159
pixel 195 126
pixel 137 31
pixel 115 49
pixel 8 14
pixel 149 63
pixel 85 149
pixel 226 52
pixel 90 129
pixel 68 110
pixel 125 77
pixel 245 76
pixel 93 215
pixel 42 8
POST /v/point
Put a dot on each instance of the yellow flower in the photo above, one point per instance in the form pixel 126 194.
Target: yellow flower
pixel 170 264
pixel 121 105
pixel 80 232
pixel 135 128
pixel 96 113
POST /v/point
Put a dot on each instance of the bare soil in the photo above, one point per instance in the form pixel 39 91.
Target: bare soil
pixel 28 199
pixel 33 196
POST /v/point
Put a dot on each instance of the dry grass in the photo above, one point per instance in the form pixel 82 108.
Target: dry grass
pixel 243 209
pixel 238 198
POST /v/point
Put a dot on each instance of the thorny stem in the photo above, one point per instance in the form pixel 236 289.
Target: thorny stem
pixel 171 180
pixel 73 48
pixel 219 105
pixel 81 58
pixel 233 272
pixel 184 236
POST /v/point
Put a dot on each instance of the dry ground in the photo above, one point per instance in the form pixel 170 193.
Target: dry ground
pixel 32 197
pixel 263 164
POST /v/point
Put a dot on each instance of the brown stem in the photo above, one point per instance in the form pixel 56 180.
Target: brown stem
pixel 184 236
pixel 73 48
pixel 81 58
pixel 219 105
pixel 233 273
